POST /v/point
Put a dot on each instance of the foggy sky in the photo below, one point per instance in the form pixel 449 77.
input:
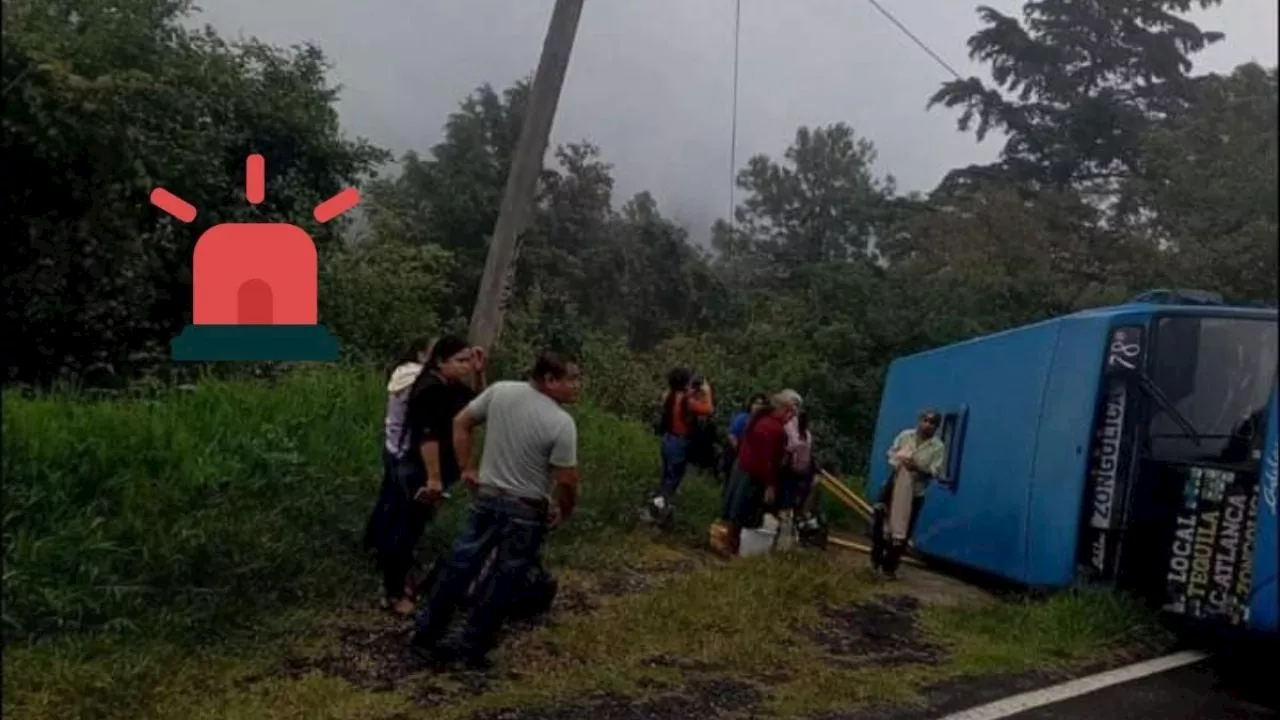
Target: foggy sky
pixel 650 81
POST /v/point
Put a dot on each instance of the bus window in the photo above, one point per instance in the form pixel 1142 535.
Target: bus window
pixel 1219 373
pixel 951 432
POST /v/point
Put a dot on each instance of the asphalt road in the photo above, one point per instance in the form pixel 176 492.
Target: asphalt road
pixel 1213 689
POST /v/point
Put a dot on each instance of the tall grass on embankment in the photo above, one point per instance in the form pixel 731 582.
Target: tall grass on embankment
pixel 196 507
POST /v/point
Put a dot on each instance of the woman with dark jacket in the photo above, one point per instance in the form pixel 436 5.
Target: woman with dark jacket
pixel 422 463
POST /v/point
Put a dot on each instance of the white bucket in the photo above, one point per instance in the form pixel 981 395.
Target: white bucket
pixel 756 542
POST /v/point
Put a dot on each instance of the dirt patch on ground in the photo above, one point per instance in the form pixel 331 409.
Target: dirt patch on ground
pixel 636 579
pixel 623 582
pixel 688 665
pixel 930 586
pixel 372 655
pixel 882 631
pixel 698 700
pixel 443 688
pixel 934 588
pixel 571 600
pixel 371 648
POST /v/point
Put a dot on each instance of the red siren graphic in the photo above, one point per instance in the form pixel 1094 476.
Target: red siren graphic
pixel 254 295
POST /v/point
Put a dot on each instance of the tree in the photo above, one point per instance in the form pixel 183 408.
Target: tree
pixel 990 258
pixel 631 273
pixel 103 102
pixel 822 203
pixel 667 284
pixel 1208 194
pixel 802 264
pixel 1077 85
pixel 451 197
pixel 565 255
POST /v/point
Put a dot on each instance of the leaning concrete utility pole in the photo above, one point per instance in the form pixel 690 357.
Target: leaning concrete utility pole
pixel 526 167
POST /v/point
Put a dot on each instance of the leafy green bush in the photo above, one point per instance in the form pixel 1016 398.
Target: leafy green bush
pixel 631 384
pixel 376 295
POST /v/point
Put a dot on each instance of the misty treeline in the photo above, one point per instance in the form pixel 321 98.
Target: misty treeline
pixel 1120 171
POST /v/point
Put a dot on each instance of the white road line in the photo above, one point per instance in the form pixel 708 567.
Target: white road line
pixel 1015 704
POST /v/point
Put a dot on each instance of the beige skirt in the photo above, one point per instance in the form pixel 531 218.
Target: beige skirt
pixel 900 499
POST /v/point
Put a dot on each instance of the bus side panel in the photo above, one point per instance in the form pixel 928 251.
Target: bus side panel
pixel 1263 609
pixel 982 522
pixel 1062 452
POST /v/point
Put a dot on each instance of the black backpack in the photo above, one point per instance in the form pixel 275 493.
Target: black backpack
pixel 704 444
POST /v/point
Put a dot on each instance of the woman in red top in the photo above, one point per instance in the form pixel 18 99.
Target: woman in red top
pixel 753 484
pixel 681 406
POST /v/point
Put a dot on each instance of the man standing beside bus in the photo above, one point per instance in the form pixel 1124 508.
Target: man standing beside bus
pixel 916 457
pixel 528 483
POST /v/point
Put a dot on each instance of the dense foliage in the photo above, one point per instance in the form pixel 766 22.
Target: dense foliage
pixel 1120 171
pixel 104 101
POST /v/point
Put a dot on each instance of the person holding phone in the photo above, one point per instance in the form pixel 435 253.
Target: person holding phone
pixel 428 467
pixel 685 403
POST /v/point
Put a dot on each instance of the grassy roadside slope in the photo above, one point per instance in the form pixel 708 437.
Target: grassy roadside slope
pixel 194 555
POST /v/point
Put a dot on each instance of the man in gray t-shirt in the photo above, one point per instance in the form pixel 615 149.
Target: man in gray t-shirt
pixel 528 481
pixel 528 436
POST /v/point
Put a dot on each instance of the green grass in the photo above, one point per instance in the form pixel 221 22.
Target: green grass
pixel 163 556
pixel 1024 635
pixel 184 509
pixel 198 506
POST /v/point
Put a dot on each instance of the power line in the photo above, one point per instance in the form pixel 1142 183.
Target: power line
pixel 733 122
pixel 936 58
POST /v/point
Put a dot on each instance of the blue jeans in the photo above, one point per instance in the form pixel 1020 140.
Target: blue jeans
pixel 517 529
pixel 674 463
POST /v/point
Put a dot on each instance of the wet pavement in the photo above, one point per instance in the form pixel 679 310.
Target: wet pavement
pixel 1212 689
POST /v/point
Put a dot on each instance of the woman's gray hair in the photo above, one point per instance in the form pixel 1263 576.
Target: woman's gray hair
pixel 785 399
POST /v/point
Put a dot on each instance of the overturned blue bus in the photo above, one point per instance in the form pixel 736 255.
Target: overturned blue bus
pixel 1134 446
